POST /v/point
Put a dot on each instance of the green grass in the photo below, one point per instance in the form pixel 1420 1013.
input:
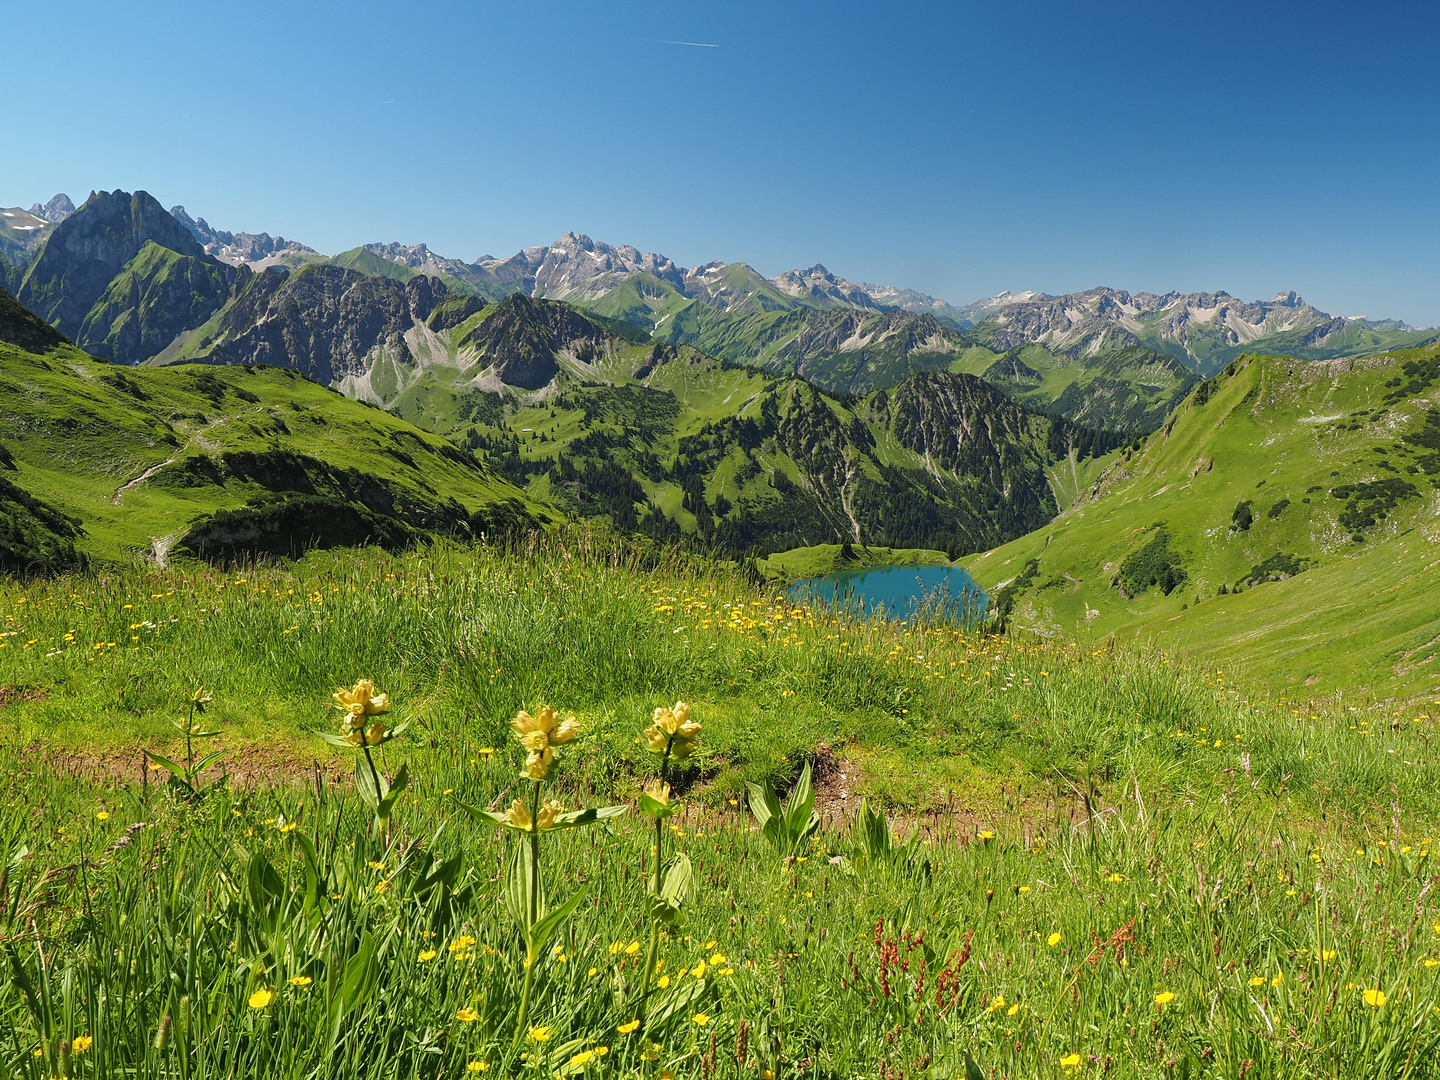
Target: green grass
pixel 799 563
pixel 1287 438
pixel 1235 836
pixel 137 455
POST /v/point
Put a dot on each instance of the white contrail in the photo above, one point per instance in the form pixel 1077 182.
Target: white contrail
pixel 692 44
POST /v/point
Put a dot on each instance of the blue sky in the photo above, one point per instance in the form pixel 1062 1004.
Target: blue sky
pixel 955 148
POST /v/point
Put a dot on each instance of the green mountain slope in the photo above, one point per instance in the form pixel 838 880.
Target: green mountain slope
pixel 367 262
pixel 1287 520
pixel 122 278
pixel 672 442
pixel 218 461
pixel 156 296
pixel 331 324
pixel 854 351
pixel 1127 390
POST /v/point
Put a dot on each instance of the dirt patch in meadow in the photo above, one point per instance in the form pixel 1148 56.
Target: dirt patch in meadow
pixel 250 766
pixel 15 695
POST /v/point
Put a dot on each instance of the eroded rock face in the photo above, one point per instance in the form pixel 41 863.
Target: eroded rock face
pixel 522 337
pixel 323 321
pixel 89 248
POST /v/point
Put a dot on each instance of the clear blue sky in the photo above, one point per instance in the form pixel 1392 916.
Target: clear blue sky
pixel 955 148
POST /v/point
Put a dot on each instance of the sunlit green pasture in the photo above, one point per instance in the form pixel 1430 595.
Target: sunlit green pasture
pixel 1102 828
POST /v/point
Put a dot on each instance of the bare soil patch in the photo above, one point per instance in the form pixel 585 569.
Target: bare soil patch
pixel 14 695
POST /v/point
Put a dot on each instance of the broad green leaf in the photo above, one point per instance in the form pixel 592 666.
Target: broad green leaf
pixel 517 890
pixel 208 760
pixel 357 983
pixel 177 771
pixel 659 909
pixel 263 884
pixel 545 929
pixel 972 1071
pixel 763 803
pixel 313 882
pixel 679 1000
pixel 800 809
pixel 443 874
pixel 576 819
pixel 337 740
pixel 676 886
pixel 366 781
pixel 402 779
pixel 653 807
pixel 489 816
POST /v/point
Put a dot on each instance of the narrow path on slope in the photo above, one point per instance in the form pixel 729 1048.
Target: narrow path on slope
pixel 148 473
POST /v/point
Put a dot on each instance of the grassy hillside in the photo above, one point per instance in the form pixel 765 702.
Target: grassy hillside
pixel 1126 390
pixel 674 443
pixel 225 460
pixel 1285 522
pixel 785 567
pixel 1031 901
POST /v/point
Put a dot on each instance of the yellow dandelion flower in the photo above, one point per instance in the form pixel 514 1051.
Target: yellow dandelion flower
pixel 627 1027
pixel 467 1016
pixel 1165 997
pixel 301 981
pixel 1375 998
pixel 82 1043
pixel 426 956
pixel 1055 939
pixel 261 999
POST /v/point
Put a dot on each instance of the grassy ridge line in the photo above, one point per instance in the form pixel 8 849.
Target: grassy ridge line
pixel 797 564
pixel 917 715
pixel 1277 437
pixel 132 452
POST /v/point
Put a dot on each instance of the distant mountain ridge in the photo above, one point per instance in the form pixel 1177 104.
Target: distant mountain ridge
pixel 1204 330
pixel 1090 356
pixel 255 250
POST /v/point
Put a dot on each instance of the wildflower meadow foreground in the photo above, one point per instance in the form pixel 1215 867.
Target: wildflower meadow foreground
pixel 583 813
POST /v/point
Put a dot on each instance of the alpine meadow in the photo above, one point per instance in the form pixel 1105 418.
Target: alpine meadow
pixel 577 665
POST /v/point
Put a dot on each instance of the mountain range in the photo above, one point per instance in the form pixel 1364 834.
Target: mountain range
pixel 85 272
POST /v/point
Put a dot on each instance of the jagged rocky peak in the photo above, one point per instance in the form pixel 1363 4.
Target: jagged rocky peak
pixel 57 209
pixel 818 283
pixel 237 249
pixel 415 256
pixel 575 265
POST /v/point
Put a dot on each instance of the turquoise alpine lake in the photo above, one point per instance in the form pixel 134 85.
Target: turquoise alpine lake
pixel 898 592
